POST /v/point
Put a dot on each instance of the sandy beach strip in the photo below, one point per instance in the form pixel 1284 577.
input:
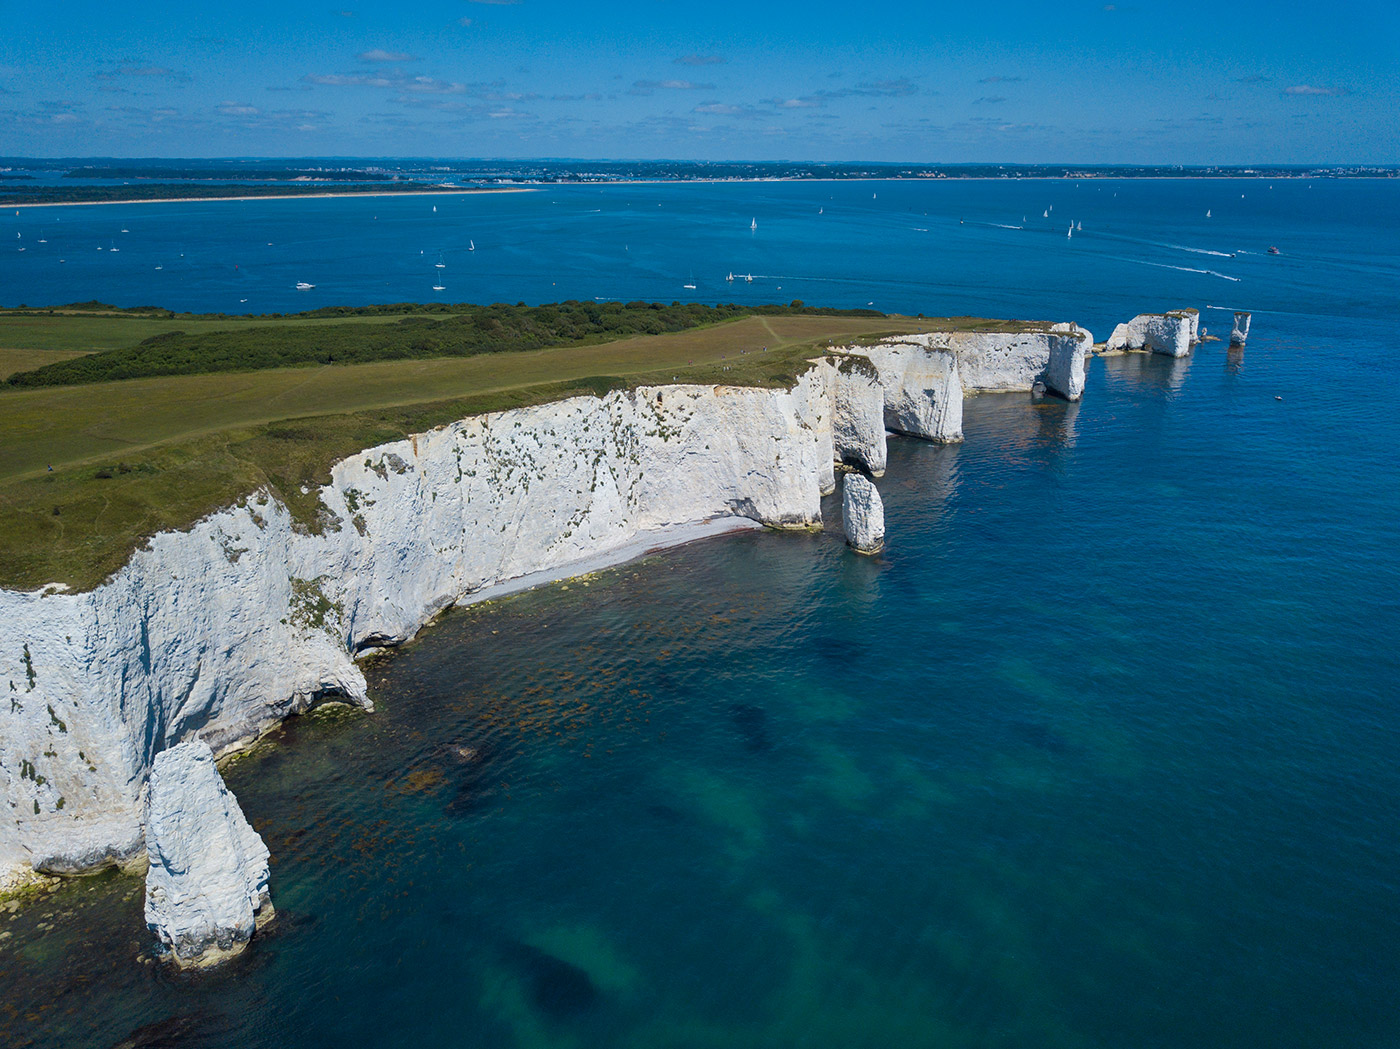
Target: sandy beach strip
pixel 277 196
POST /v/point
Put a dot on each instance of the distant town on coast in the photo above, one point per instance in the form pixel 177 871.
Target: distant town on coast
pixel 95 180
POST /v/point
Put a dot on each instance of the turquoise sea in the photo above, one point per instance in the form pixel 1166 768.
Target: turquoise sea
pixel 1103 751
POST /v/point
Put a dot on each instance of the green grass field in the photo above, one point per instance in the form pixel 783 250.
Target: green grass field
pixel 89 331
pixel 12 361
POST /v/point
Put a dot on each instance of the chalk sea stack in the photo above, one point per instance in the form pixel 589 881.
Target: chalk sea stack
pixel 1172 333
pixel 862 514
pixel 206 888
pixel 1240 332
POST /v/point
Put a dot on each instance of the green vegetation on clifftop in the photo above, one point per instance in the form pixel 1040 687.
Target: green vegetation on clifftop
pixel 468 331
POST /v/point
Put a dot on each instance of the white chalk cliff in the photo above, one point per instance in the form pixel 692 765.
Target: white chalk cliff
pixel 862 514
pixel 926 377
pixel 857 413
pixel 1172 334
pixel 206 886
pixel 220 631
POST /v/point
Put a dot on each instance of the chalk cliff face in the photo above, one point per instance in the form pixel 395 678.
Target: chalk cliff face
pixel 926 377
pixel 923 390
pixel 219 632
pixel 206 886
pixel 1172 334
pixel 996 361
pixel 857 413
pixel 862 514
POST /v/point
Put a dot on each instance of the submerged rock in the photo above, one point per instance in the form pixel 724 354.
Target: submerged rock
pixel 1240 332
pixel 751 723
pixel 862 514
pixel 1172 333
pixel 181 1029
pixel 558 989
pixel 206 889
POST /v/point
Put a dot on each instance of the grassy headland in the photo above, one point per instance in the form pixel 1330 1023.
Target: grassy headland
pixel 136 456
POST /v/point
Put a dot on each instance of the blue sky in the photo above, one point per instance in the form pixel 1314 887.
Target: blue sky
pixel 1139 81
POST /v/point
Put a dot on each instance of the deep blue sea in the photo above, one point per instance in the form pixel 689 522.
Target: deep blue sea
pixel 1102 751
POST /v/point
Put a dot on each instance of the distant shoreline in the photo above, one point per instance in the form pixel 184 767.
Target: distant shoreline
pixel 527 185
pixel 276 196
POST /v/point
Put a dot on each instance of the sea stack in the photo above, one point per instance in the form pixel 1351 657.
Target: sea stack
pixel 1240 332
pixel 1172 333
pixel 206 889
pixel 862 514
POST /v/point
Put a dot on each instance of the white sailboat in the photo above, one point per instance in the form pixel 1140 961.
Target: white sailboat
pixel 439 287
pixel 1207 212
pixel 1071 230
pixel 471 245
pixel 691 285
pixel 821 211
pixel 753 224
pixel 730 278
pixel 1045 214
pixel 303 286
pixel 1079 227
pixel 439 264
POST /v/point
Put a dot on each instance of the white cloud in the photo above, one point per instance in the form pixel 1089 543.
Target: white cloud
pixel 673 85
pixel 380 55
pixel 419 85
pixel 1309 89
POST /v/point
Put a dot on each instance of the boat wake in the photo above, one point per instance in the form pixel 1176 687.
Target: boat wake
pixel 1185 269
pixel 1202 251
pixel 1169 246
